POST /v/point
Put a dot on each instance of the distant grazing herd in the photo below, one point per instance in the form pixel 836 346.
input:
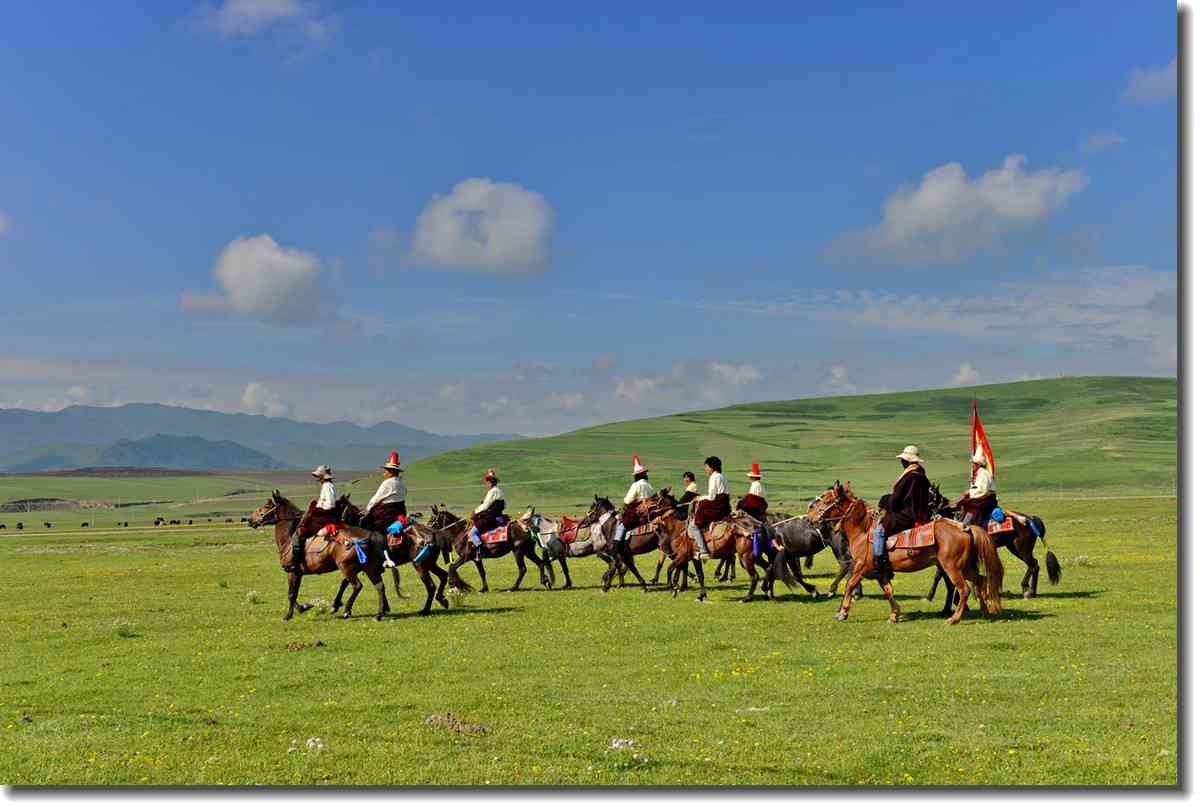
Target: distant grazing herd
pixel 158 522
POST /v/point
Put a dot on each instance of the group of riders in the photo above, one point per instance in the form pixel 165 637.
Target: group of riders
pixel 908 505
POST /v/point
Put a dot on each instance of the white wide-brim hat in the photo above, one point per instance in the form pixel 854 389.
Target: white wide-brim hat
pixel 911 453
pixel 322 472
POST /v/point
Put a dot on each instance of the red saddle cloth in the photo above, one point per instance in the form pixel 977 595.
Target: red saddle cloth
pixel 568 529
pixel 496 535
pixel 1006 526
pixel 919 536
pixel 640 530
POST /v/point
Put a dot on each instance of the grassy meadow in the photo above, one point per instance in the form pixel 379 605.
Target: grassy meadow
pixel 157 656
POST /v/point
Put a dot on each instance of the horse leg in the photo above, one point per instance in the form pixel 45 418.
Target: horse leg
pixel 631 564
pixel 890 593
pixel 1030 581
pixel 855 578
pixel 703 596
pixel 337 599
pixel 937 576
pixel 377 581
pixel 356 588
pixel 293 592
pixel 482 574
pixel 658 570
pixel 396 582
pixel 545 567
pixel 562 561
pixel 425 579
pixel 748 565
pixel 798 574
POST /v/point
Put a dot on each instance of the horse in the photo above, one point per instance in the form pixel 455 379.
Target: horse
pixel 336 553
pixel 412 542
pixel 1021 542
pixel 800 539
pixel 957 549
pixel 591 538
pixel 635 543
pixel 519 541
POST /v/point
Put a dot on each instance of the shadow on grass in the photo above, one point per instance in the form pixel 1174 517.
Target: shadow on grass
pixel 438 611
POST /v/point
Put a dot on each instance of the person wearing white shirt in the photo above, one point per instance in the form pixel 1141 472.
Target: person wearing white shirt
pixel 321 512
pixel 979 501
pixel 640 490
pixel 487 514
pixel 690 489
pixel 712 507
pixel 755 505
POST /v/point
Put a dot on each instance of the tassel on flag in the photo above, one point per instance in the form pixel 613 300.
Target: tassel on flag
pixel 979 440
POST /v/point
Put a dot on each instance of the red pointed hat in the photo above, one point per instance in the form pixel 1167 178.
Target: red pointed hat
pixel 754 471
pixel 638 468
pixel 490 474
pixel 393 462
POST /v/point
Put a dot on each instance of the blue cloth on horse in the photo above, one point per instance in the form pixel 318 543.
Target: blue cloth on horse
pixel 997 514
pixel 428 552
pixel 359 544
pixel 396 528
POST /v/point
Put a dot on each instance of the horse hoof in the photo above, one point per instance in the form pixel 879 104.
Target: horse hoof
pixel 567 585
pixel 287 617
pixel 746 599
pixel 445 604
pixel 425 612
pixel 344 616
pixel 841 616
pixel 1027 595
pixel 379 617
pixel 893 619
pixel 303 607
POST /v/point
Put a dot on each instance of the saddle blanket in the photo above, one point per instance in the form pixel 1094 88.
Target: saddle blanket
pixel 919 536
pixel 1006 526
pixel 496 535
pixel 640 530
pixel 568 529
pixel 718 530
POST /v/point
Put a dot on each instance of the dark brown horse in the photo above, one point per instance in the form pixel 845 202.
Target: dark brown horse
pixel 413 541
pixel 322 554
pixel 957 550
pixel 1021 542
pixel 520 543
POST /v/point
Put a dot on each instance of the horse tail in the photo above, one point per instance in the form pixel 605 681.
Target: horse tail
pixel 985 551
pixel 1053 568
pixel 782 573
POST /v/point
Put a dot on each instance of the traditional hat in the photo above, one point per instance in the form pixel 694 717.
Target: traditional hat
pixel 322 472
pixel 393 462
pixel 755 473
pixel 978 456
pixel 911 453
pixel 638 468
pixel 490 474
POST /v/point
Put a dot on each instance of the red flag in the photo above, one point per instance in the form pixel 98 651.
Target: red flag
pixel 979 439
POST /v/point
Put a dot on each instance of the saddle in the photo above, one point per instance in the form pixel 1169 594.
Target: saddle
pixel 497 535
pixel 718 530
pixel 1001 528
pixel 913 538
pixel 568 529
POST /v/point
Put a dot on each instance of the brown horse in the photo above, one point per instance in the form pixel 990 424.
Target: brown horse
pixel 413 541
pixel 520 543
pixel 322 554
pixel 956 549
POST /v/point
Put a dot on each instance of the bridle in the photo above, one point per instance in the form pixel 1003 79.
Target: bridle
pixel 821 517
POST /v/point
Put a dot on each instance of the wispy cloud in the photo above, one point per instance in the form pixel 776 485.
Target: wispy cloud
pixel 1152 85
pixel 950 216
pixel 1096 142
pixel 251 18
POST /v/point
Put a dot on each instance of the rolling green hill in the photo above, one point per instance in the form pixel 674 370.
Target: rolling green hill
pixel 1074 436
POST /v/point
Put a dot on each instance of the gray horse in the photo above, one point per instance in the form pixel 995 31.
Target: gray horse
pixel 801 540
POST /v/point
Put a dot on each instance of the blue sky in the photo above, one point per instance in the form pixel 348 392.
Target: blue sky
pixel 535 221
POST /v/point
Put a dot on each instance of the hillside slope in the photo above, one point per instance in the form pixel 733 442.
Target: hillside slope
pixel 1083 436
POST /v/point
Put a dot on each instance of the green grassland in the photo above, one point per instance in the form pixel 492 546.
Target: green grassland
pixel 158 656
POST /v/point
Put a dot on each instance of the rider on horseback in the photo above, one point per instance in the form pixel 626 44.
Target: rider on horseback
pixel 754 504
pixel 690 490
pixel 387 505
pixel 712 507
pixel 908 505
pixel 979 501
pixel 487 514
pixel 640 490
pixel 321 512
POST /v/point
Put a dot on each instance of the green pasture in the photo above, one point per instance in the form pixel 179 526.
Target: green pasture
pixel 158 656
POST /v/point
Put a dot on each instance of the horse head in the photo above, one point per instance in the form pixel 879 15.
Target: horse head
pixel 277 508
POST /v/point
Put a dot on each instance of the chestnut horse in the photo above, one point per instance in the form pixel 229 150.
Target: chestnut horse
pixel 737 542
pixel 520 543
pixel 956 549
pixel 321 554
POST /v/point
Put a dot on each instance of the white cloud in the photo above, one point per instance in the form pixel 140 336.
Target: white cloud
pixel 248 18
pixel 964 375
pixel 259 399
pixel 1152 85
pixel 689 385
pixel 839 383
pixel 485 226
pixel 950 216
pixel 262 281
pixel 1097 142
pixel 4 225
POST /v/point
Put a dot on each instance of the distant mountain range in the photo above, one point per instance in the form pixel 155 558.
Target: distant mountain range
pixel 144 435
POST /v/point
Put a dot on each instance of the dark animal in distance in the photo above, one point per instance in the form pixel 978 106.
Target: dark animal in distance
pixel 20 526
pixel 47 524
pixel 83 524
